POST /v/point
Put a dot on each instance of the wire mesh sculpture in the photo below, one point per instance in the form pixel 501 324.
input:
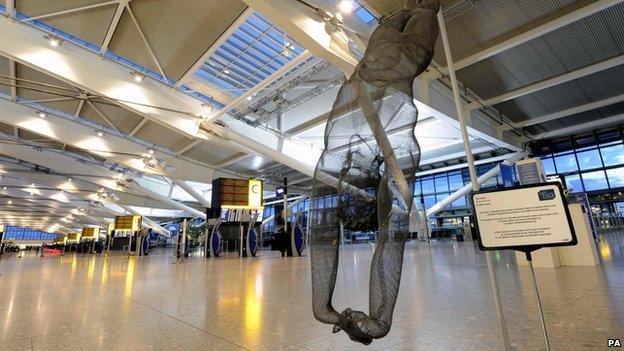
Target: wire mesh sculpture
pixel 369 147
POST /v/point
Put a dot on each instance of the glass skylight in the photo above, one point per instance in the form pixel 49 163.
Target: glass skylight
pixel 252 53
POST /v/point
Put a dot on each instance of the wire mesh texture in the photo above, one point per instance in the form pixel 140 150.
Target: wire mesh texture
pixel 367 173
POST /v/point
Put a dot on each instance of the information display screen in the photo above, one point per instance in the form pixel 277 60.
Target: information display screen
pixel 237 193
pixel 132 223
pixel 73 237
pixel 90 232
pixel 522 217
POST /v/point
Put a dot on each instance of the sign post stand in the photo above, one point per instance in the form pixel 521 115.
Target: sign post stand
pixel 524 218
pixel 461 114
pixel 539 300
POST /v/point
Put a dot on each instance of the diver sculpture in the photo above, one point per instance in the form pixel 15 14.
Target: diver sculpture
pixel 370 146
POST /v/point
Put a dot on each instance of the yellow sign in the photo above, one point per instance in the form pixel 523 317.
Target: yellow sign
pixel 238 193
pixel 255 193
pixel 73 237
pixel 91 232
pixel 61 239
pixel 131 223
pixel 110 228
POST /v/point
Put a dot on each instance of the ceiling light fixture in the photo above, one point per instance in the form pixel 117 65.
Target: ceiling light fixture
pixel 206 110
pixel 9 202
pixel 345 6
pixel 289 49
pixel 150 151
pixel 138 77
pixel 4 188
pixel 99 133
pixel 42 114
pixel 226 71
pixel 54 42
pixel 69 179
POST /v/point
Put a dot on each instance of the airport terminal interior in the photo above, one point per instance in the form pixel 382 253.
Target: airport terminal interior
pixel 311 175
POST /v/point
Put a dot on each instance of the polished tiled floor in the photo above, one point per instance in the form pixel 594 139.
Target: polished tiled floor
pixel 90 302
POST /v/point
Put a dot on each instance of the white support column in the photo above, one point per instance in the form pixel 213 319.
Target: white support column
pixel 509 161
pixel 13 82
pixel 231 160
pixel 99 113
pixel 290 206
pixel 189 189
pixel 9 8
pixel 188 146
pixel 146 42
pixel 150 223
pixel 121 6
pixel 169 201
pixel 551 82
pixel 138 126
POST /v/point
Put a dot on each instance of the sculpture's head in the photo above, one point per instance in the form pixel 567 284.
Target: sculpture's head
pixel 423 4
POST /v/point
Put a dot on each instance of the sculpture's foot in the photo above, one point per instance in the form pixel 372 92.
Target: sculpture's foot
pixel 360 327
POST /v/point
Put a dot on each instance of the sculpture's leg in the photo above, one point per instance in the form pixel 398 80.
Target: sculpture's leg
pixel 386 267
pixel 395 174
pixel 324 253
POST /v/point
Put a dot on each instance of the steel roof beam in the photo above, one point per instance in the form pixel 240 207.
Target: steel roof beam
pixel 72 10
pixel 121 6
pixel 549 83
pixel 567 112
pixel 232 159
pixel 536 32
pixel 591 125
pixel 194 193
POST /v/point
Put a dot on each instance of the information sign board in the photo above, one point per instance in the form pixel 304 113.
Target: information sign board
pixel 523 218
pixel 237 193
pixel 90 232
pixel 127 223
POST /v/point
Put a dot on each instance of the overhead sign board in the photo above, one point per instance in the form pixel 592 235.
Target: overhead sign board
pixel 73 237
pixel 90 232
pixel 127 223
pixel 523 218
pixel 237 193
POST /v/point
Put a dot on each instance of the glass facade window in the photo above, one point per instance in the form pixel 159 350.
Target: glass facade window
pixel 549 166
pixel 428 186
pixel 595 180
pixel 589 159
pixel 456 181
pixel 461 202
pixel 573 182
pixel 430 200
pixel 441 183
pixel 613 155
pixel 566 163
pixel 616 177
